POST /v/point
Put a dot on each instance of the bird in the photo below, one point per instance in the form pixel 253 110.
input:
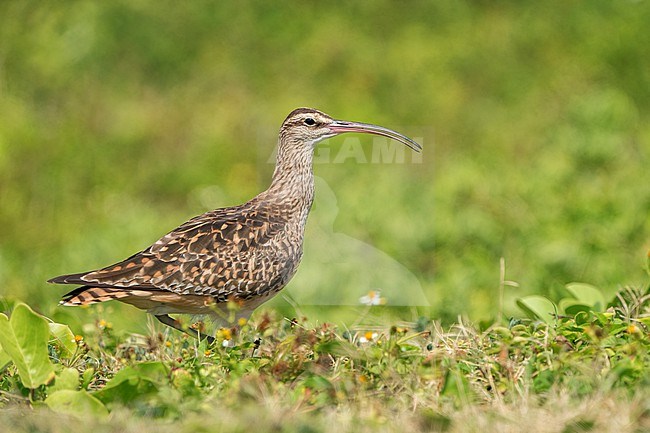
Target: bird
pixel 243 254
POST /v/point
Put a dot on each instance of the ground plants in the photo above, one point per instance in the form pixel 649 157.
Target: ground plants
pixel 416 373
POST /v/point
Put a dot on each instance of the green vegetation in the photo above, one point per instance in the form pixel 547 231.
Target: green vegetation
pixel 416 374
pixel 119 120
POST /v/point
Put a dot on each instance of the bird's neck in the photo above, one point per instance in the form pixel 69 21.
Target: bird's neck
pixel 293 178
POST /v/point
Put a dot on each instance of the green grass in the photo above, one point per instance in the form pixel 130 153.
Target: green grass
pixel 120 120
pixel 585 373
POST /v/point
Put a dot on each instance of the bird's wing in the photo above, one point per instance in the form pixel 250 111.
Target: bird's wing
pixel 195 258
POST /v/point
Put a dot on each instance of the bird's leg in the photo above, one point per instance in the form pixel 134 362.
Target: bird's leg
pixel 167 320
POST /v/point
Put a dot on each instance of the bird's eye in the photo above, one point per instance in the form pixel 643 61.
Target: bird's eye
pixel 309 121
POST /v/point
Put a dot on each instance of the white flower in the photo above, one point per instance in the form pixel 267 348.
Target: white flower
pixel 372 298
pixel 368 336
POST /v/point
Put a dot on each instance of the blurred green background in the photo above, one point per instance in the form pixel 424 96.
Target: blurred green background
pixel 119 120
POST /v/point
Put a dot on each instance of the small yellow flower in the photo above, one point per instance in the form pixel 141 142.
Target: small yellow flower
pixel 78 338
pixel 208 352
pixel 362 378
pixel 224 333
pixel 102 323
pixel 632 329
pixel 168 344
pixel 242 321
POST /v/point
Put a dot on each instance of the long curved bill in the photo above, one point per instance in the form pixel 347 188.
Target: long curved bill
pixel 341 126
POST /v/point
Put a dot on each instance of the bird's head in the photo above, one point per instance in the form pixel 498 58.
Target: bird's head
pixel 308 126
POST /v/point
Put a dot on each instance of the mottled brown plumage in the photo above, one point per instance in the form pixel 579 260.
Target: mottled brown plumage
pixel 245 253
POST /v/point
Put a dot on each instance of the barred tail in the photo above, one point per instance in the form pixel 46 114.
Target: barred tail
pixel 92 295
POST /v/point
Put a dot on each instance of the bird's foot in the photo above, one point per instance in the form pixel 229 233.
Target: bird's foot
pixel 169 321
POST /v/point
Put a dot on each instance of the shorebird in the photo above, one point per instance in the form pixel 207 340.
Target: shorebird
pixel 245 253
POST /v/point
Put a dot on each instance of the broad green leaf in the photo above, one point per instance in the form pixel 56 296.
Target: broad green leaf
pixel 134 382
pixel 154 371
pixel 24 337
pixel 588 295
pixel 77 403
pixel 64 338
pixel 68 378
pixel 4 358
pixel 571 307
pixel 581 317
pixel 87 377
pixel 538 307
